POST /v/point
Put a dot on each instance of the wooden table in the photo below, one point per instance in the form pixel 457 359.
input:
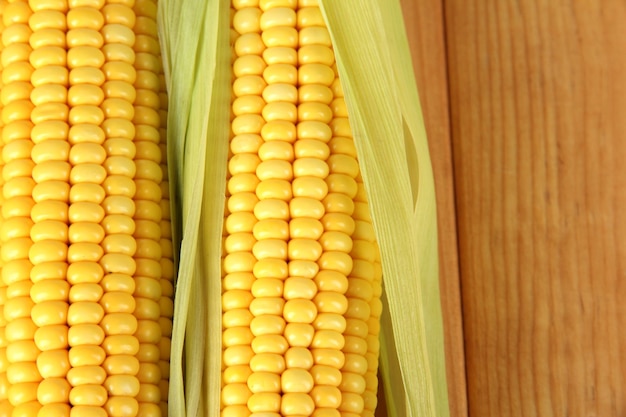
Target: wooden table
pixel 525 108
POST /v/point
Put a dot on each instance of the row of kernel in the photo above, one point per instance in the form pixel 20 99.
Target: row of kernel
pixel 50 233
pixel 359 382
pixel 86 99
pixel 168 269
pixel 238 261
pixel 21 349
pixel 4 383
pixel 153 349
pixel 315 59
pixel 304 210
pixel 120 246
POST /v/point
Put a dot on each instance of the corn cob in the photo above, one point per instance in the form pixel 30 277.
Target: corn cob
pixel 302 288
pixel 87 276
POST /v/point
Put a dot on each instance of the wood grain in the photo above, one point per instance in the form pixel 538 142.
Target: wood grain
pixel 538 110
pixel 425 29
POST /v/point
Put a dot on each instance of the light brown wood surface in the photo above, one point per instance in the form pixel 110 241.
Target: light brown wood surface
pixel 538 116
pixel 535 193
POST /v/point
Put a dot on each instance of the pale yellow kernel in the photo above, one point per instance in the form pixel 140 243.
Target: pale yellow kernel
pixel 326 370
pixel 331 302
pixel 249 44
pixel 280 110
pixel 314 35
pixel 248 105
pixel 239 355
pixel 270 343
pixel 86 375
pixel 119 185
pixel 339 222
pixel 93 395
pixel 18 90
pixel 47 251
pixel 351 403
pixel 236 299
pixel 356 345
pixel 326 398
pixel 271 268
pixel 249 65
pixel 296 287
pixel 239 262
pixel 339 203
pixel 356 328
pixel 50 337
pixel 370 401
pixel 275 169
pixel 314 130
pixel 118 223
pixel 239 242
pixel 267 362
pixel 85 212
pixel 47 37
pixel 22 392
pixel 266 306
pixel 247 20
pixel 310 167
pixel 236 318
pixel 281 74
pixel 83 36
pixel 84 17
pixel 243 163
pixel 53 390
pixel 277 17
pixel 275 93
pixel 267 287
pixel 339 108
pixel 297 404
pixel 235 394
pixel 236 374
pixel 85 334
pixel 84 313
pixel 21 110
pixel 315 93
pixel 299 310
pixel 49 290
pixel 21 351
pixel 345 146
pixel 86 291
pixel 279 130
pixel 303 268
pixel 47 19
pixel 355 363
pixel 336 261
pixel 119 323
pixel 280 36
pixel 299 357
pixel 336 241
pixel 299 334
pixel 120 52
pixel 316 54
pixel 238 281
pixel 247 123
pixel 351 382
pixel 306 207
pixel 118 302
pixel 18 307
pixel 121 345
pixel 121 71
pixel 274 189
pixel 263 382
pixel 234 411
pixel 247 143
pixel 243 183
pixel 237 336
pixel 48 93
pixel 48 55
pixel 267 324
pixel 264 402
pixel 271 209
pixel 341 127
pixel 281 55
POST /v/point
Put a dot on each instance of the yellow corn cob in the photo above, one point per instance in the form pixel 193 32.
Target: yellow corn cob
pixel 301 282
pixel 5 406
pixel 87 274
